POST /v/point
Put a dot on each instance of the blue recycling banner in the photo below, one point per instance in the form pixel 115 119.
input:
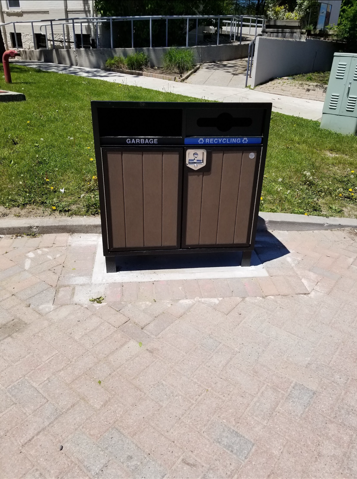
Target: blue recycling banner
pixel 224 141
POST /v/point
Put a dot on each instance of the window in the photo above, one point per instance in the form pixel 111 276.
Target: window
pixel 40 40
pixel 13 42
pixel 324 16
pixel 13 3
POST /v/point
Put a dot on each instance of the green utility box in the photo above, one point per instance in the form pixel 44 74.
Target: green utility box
pixel 340 108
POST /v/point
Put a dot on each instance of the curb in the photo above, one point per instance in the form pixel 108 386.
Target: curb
pixel 86 224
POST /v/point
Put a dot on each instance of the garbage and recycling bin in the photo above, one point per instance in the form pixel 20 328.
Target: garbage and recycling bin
pixel 179 177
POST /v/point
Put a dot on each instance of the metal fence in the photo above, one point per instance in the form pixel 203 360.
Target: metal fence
pixel 223 23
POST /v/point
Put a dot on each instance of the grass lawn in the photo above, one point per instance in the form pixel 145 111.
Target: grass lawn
pixel 46 151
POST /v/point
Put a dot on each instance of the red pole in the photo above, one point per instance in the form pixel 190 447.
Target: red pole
pixel 5 61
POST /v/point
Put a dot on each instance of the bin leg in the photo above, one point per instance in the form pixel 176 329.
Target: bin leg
pixel 246 257
pixel 111 264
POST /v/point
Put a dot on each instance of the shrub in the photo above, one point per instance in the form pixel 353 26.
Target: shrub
pixel 116 62
pixel 179 60
pixel 137 61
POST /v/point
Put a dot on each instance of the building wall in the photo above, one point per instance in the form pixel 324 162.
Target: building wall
pixel 276 58
pixel 34 10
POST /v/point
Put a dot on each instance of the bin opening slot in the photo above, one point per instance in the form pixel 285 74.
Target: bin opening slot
pixel 140 122
pixel 224 122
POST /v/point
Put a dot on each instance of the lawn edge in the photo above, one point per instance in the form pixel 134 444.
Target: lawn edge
pixel 87 224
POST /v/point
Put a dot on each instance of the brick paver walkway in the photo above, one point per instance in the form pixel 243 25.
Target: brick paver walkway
pixel 242 378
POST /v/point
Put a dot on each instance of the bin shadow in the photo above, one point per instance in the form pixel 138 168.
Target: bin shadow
pixel 267 248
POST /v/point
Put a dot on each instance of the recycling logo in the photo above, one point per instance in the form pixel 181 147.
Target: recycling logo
pixel 245 140
pixel 201 140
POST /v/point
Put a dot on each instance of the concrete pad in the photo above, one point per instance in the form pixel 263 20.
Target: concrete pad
pixel 171 267
pixel 6 96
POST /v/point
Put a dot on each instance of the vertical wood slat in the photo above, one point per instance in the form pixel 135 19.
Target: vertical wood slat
pixel 116 200
pixel 245 198
pixel 232 161
pixel 193 214
pixel 210 201
pixel 170 195
pixel 152 192
pixel 133 198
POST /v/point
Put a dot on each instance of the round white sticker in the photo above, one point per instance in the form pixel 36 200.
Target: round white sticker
pixel 251 155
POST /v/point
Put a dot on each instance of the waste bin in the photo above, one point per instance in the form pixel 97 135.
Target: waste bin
pixel 179 177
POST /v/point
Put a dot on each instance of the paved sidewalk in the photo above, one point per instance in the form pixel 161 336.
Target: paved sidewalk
pixel 211 378
pixel 309 109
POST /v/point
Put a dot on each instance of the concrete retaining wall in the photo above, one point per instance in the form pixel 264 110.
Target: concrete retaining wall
pixel 96 58
pixel 275 57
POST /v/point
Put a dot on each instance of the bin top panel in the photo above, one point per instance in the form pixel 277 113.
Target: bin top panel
pixel 179 120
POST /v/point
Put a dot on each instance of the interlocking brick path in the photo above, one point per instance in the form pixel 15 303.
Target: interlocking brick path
pixel 233 378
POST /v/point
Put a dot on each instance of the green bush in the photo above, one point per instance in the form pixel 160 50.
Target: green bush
pixel 137 61
pixel 116 62
pixel 179 60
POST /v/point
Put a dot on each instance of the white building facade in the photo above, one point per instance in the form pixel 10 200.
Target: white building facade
pixel 30 34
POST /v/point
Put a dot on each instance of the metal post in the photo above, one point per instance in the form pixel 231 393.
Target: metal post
pixel 111 33
pixel 132 33
pixel 46 37
pixel 16 44
pixel 64 36
pixel 167 32
pixel 218 25
pixel 81 35
pixel 256 26
pixel 74 36
pixel 241 30
pixel 97 33
pixel 150 32
pixel 33 37
pixel 53 37
pixel 250 23
pixel 251 59
pixel 196 31
pixel 187 29
pixel 234 29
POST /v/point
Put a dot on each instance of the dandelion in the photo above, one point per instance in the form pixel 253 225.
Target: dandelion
pixel 352 171
pixel 88 147
pixel 340 194
pixel 350 189
pixel 53 207
pixel 94 177
pixel 28 122
pixel 47 179
pixel 51 187
pixel 261 198
pixel 305 214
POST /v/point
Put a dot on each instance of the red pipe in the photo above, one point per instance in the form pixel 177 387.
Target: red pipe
pixel 5 61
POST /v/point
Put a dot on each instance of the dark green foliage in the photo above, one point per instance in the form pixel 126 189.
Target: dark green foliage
pixel 347 25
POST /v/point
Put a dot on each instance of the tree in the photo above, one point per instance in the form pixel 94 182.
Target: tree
pixel 177 28
pixel 347 24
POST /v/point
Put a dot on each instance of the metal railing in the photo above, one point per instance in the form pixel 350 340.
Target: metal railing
pixel 235 27
pixel 251 50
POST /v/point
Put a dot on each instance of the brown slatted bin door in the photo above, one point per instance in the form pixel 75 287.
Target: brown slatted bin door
pixel 142 199
pixel 220 202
